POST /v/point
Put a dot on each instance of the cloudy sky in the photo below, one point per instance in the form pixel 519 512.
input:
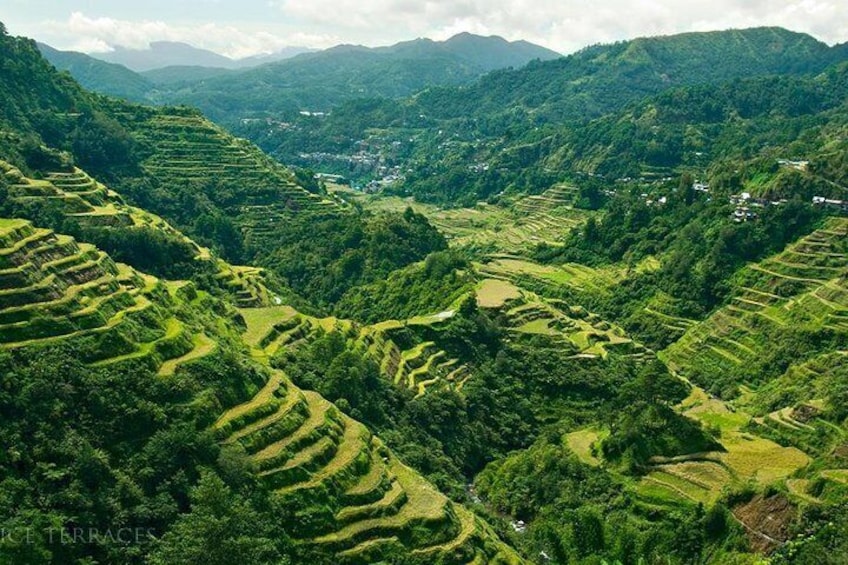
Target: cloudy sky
pixel 239 28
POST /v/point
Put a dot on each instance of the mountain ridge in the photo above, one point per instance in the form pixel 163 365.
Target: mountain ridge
pixel 327 490
pixel 608 368
pixel 510 119
pixel 100 76
pixel 163 54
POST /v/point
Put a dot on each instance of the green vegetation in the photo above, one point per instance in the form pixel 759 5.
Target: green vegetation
pixel 75 203
pixel 785 311
pixel 85 416
pixel 427 287
pixel 512 226
pixel 320 81
pixel 607 369
pixel 326 259
pixel 72 317
pixel 97 75
pixel 524 130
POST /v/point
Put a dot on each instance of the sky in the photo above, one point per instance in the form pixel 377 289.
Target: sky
pixel 240 28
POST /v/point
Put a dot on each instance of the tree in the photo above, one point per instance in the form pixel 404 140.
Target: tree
pixel 588 526
pixel 686 188
pixel 590 230
pixel 220 526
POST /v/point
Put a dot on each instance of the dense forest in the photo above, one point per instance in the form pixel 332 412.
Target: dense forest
pixel 601 318
pixel 531 128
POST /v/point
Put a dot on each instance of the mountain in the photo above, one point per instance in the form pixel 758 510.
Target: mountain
pixel 514 120
pixel 494 52
pixel 158 408
pixel 734 121
pixel 113 79
pixel 280 55
pixel 164 54
pixel 743 127
pixel 601 78
pixel 484 53
pixel 108 78
pixel 319 81
pixel 296 79
pixel 170 77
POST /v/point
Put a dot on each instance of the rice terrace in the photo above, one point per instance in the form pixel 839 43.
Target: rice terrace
pixel 280 286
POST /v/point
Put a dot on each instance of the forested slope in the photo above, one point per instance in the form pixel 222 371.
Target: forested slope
pixel 134 402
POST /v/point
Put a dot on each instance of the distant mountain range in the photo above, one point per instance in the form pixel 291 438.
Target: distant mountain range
pixel 536 125
pixel 162 54
pixel 486 53
pixel 321 81
pixel 171 72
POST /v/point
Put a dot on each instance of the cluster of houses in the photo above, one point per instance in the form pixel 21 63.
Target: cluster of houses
pixel 275 125
pixel 377 185
pixel 519 526
pixel 662 200
pixel 359 163
pixel 797 165
pixel 745 205
pixel 831 203
pixel 335 179
pixel 362 159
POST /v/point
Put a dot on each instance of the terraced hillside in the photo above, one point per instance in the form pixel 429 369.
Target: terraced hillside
pixel 544 218
pixel 276 329
pixel 799 452
pixel 89 203
pixel 412 353
pixel 344 493
pixel 783 431
pixel 583 279
pixel 183 149
pixel 512 227
pixel 746 458
pixel 803 287
pixel 409 356
pixel 371 505
pixel 343 488
pixel 55 290
pixel 404 350
pixel 529 315
pixel 799 410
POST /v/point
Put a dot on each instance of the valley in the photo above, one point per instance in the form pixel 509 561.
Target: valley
pixel 514 228
pixel 591 309
pixel 774 435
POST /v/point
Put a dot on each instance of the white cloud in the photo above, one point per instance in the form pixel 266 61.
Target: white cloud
pixel 91 45
pixel 565 25
pixel 95 35
pixel 248 27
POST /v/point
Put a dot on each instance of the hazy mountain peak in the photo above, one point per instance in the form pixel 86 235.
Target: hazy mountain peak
pixel 164 54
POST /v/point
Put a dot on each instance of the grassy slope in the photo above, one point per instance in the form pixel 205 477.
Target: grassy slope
pixel 91 203
pixel 349 464
pixel 765 437
pixel 323 457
